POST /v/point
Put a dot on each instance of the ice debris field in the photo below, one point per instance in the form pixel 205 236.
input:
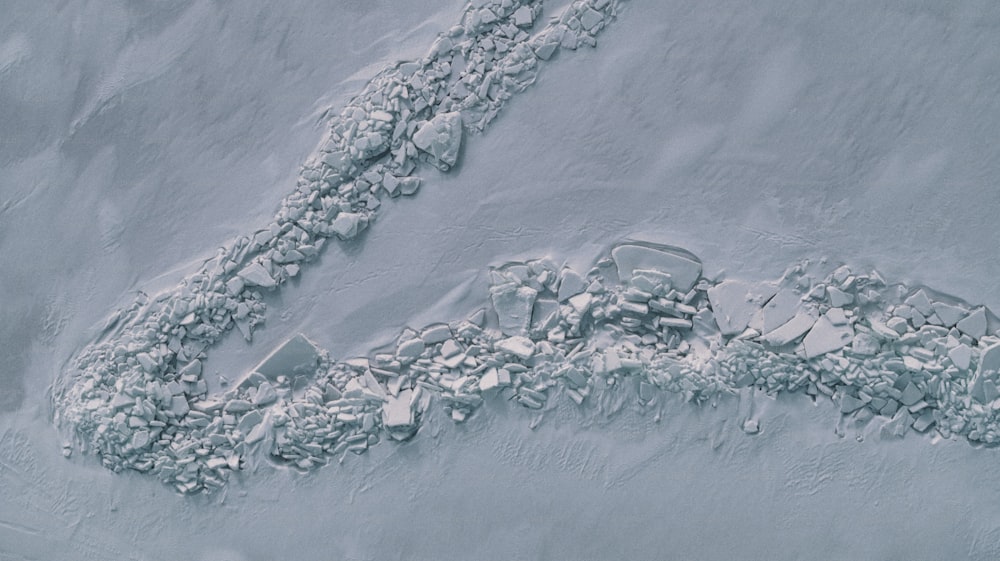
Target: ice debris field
pixel 641 323
pixel 139 391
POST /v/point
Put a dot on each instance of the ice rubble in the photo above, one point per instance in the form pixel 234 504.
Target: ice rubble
pixel 143 376
pixel 875 355
pixel 643 319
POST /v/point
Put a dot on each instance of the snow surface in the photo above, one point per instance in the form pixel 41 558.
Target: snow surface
pixel 753 136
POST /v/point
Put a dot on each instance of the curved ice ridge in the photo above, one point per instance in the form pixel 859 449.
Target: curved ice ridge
pixel 136 396
pixel 641 324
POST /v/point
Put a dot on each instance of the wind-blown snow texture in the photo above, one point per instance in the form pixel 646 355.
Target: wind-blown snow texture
pixel 753 136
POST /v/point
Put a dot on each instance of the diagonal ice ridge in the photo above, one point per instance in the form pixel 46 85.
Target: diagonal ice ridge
pixel 137 398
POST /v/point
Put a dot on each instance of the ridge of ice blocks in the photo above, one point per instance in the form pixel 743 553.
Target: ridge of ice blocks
pixel 624 332
pixel 137 397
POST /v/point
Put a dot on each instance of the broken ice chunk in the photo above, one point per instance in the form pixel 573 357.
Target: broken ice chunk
pixel 490 380
pixel 989 365
pixel 410 349
pixel 255 274
pixel 521 347
pixel 790 331
pixel 682 266
pixel 974 324
pixel 961 356
pixel 249 421
pixel 911 395
pixel 924 421
pixel 441 138
pixel 948 314
pixel 190 372
pixel 590 18
pixel 179 406
pixel 523 16
pixel 409 185
pixel 259 431
pixel 437 333
pixel 265 395
pixel 399 414
pixel 828 334
pixel 839 298
pixel 570 284
pixel 850 404
pixel 921 302
pixel 733 305
pixel 298 355
pixel 346 225
pixel 140 438
pixel 777 311
pixel 544 314
pixel 450 349
pixel 513 305
pixel 581 302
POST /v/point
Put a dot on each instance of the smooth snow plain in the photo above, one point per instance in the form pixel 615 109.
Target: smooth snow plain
pixel 753 136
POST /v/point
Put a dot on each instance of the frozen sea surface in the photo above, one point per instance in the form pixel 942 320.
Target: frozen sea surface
pixel 139 138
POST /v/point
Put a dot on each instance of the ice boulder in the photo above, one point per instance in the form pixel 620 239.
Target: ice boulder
pixel 682 266
pixel 441 138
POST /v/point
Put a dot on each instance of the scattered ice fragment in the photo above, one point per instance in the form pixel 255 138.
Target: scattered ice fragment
pixel 140 438
pixel 839 298
pixel 911 395
pixel 581 302
pixel 570 284
pixel 259 432
pixel 255 274
pixel 850 404
pixel 828 334
pixel 265 394
pixel 409 185
pixel 436 333
pixel 346 225
pixel 248 421
pixel 523 16
pixel 410 349
pixel 179 406
pixel 490 380
pixel 898 324
pixel 920 302
pixel 521 347
pixel 441 137
pixel 948 314
pixel 924 421
pixel 974 324
pixel 961 356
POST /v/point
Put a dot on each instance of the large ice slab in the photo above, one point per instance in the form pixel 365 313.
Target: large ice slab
pixel 735 302
pixel 296 356
pixel 513 305
pixel 830 333
pixel 682 266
